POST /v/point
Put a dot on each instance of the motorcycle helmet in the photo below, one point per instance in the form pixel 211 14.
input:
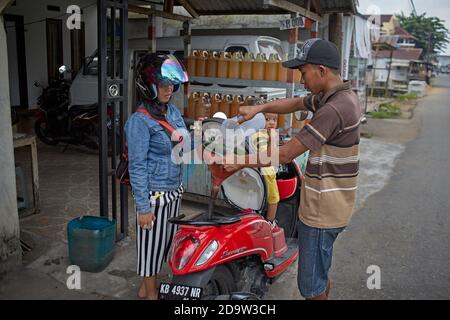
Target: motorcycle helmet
pixel 156 69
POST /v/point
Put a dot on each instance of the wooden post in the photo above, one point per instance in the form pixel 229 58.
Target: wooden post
pixel 315 30
pixel 386 90
pixel 168 6
pixel 151 35
pixel 34 165
pixel 374 69
pixel 292 40
pixel 186 33
pixel 335 31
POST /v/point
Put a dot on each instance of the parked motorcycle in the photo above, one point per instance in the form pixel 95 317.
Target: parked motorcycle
pixel 217 255
pixel 59 121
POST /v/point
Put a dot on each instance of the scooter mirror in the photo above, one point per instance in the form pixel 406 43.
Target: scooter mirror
pixel 62 69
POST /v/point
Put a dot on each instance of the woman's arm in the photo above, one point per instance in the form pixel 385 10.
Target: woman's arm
pixel 138 137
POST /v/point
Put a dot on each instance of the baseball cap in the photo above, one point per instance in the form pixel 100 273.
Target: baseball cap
pixel 316 51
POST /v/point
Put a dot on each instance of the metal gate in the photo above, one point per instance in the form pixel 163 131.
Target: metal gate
pixel 113 106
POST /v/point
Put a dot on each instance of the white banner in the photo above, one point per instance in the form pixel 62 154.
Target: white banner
pixel 347 28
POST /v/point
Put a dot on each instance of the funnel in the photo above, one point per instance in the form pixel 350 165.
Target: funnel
pixel 213 141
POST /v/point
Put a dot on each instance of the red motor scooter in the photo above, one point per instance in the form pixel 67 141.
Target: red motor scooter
pixel 223 255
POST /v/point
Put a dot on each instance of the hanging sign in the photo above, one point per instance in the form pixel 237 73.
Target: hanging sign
pixel 298 22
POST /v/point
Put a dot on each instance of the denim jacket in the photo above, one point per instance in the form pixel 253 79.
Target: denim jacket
pixel 150 162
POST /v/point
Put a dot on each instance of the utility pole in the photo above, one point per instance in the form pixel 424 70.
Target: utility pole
pixel 413 8
pixel 429 47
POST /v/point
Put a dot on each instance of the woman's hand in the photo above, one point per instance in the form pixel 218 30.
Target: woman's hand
pixel 146 220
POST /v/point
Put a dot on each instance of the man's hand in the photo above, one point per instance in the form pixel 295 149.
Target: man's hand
pixel 248 112
pixel 146 220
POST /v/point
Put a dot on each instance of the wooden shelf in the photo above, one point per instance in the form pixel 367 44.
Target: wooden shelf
pixel 245 83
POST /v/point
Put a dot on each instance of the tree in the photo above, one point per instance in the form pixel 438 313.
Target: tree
pixel 430 32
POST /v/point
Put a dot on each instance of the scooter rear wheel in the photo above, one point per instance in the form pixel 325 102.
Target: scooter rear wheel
pixel 221 283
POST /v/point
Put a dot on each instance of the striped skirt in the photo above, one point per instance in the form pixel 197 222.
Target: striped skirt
pixel 153 245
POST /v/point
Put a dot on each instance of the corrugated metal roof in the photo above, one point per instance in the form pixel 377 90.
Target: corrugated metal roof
pixel 230 7
pixel 214 7
pixel 337 6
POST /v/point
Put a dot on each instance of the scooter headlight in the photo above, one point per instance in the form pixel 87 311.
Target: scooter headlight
pixel 207 253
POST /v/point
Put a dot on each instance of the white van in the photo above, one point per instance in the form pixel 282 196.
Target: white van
pixel 249 43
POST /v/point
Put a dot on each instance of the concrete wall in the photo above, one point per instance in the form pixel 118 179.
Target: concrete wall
pixel 35 36
pixel 10 250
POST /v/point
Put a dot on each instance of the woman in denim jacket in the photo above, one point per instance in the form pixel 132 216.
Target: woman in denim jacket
pixel 155 176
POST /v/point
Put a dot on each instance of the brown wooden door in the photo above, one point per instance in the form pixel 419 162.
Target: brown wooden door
pixel 54 47
pixel 77 49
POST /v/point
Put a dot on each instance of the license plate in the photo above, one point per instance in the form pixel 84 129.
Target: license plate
pixel 171 291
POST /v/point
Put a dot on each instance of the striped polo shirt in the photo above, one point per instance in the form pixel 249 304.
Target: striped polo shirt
pixel 328 193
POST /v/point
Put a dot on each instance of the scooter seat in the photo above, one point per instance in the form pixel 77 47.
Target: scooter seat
pixel 203 221
pixel 83 107
pixel 76 110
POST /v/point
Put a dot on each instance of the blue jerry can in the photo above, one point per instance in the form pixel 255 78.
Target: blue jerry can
pixel 91 242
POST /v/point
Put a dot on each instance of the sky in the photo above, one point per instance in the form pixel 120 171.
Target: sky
pixel 433 8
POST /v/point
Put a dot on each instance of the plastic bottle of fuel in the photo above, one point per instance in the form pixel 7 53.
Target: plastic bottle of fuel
pixel 271 68
pixel 203 108
pixel 246 66
pixel 211 64
pixel 258 67
pixel 222 65
pixel 282 71
pixel 200 67
pixel 234 66
pixel 192 102
pixel 225 104
pixel 216 99
pixel 234 108
pixel 192 61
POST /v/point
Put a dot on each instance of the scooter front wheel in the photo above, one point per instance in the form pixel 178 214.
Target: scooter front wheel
pixel 41 130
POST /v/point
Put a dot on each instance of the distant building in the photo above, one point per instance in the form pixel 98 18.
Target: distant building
pixel 390 26
pixel 443 61
pixel 402 68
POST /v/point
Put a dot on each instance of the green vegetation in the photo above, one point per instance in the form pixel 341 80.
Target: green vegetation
pixel 407 97
pixel 430 32
pixel 386 111
pixel 367 135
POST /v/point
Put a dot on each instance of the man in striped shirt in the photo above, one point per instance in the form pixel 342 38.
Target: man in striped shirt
pixel 329 190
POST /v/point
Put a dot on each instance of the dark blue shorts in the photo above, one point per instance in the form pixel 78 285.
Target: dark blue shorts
pixel 315 255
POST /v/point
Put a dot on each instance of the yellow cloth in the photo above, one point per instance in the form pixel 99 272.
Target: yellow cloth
pixel 259 142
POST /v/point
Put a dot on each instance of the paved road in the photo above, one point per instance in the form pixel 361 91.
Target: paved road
pixel 405 228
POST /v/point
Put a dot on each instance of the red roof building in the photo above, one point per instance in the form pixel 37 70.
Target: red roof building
pixel 402 54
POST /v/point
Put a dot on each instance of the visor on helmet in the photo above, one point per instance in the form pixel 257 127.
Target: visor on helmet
pixel 172 72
